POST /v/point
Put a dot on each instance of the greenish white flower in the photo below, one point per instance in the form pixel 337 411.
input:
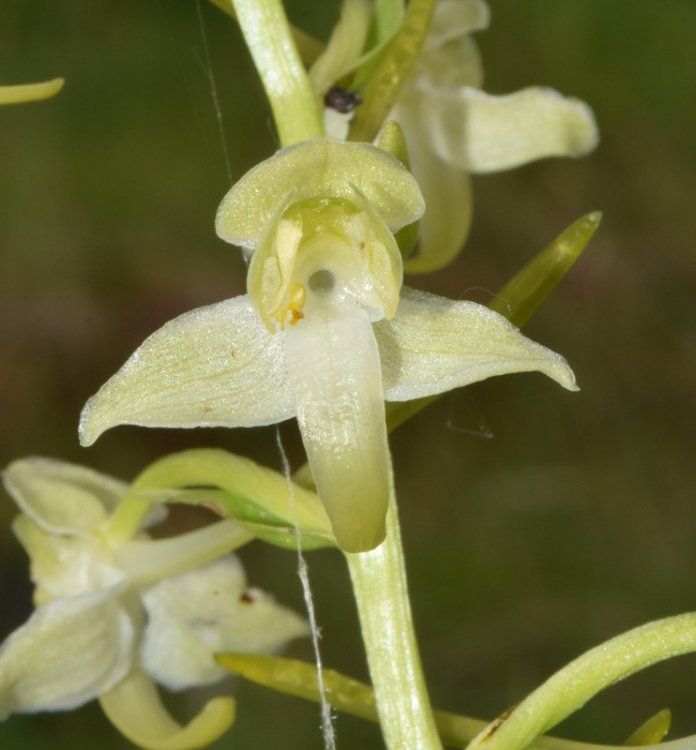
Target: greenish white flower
pixel 325 334
pixel 454 129
pixel 114 611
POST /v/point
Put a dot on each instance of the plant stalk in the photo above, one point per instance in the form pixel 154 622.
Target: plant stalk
pixel 381 594
pixel 269 37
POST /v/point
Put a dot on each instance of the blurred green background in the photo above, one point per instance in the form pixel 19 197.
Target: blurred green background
pixel 537 523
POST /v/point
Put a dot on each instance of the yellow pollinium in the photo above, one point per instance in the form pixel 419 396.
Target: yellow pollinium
pixel 292 312
pixel 335 236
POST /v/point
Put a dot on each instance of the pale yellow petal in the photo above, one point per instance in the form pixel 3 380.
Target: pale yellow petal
pixel 333 364
pixel 135 709
pixel 146 561
pixel 482 133
pixel 433 345
pixel 445 225
pixel 214 366
pixel 344 46
pixel 62 498
pixel 319 168
pixel 202 612
pixel 64 566
pixel 67 653
pixel 454 19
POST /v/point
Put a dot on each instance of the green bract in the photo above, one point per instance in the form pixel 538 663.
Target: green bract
pixel 115 612
pixel 30 92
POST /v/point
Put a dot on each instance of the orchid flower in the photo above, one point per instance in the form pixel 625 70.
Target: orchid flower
pixel 114 613
pixel 454 129
pixel 325 334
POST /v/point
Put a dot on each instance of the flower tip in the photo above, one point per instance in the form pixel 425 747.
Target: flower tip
pixel 86 430
pixel 582 130
pixel 562 373
pixel 30 92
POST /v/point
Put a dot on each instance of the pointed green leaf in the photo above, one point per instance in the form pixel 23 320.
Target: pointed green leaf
pixel 652 731
pixel 30 92
pixel 298 678
pixel 385 83
pixel 519 299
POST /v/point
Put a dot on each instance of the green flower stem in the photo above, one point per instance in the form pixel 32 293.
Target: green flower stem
pixel 571 687
pixel 384 85
pixel 307 45
pixel 299 678
pixel 269 38
pixel 127 519
pixel 381 593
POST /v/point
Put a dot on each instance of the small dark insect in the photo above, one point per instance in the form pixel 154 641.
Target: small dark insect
pixel 341 100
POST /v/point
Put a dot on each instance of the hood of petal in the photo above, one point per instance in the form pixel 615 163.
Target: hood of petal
pixel 315 169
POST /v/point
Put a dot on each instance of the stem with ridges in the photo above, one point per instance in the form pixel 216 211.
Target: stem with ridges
pixel 269 38
pixel 381 593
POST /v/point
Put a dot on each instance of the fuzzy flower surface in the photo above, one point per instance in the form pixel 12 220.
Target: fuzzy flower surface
pixel 114 615
pixel 325 334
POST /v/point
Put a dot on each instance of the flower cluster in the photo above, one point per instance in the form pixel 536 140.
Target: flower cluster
pixel 115 611
pixel 327 333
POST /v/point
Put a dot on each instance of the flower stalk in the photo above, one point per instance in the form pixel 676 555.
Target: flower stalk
pixel 269 38
pixel 381 593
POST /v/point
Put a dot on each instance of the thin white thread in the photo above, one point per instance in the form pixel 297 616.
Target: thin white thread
pixel 213 90
pixel 327 727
